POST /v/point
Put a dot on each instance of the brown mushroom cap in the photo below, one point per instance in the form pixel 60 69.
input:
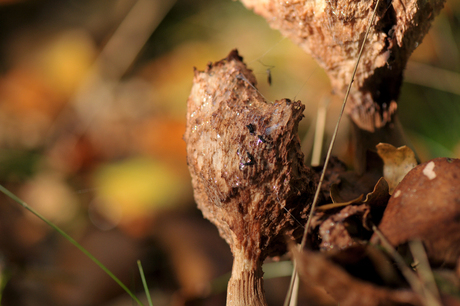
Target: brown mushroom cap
pixel 426 206
pixel 332 32
pixel 245 160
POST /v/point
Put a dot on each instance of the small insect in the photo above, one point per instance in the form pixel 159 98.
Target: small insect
pixel 251 128
pixel 269 76
pixel 269 72
pixel 250 161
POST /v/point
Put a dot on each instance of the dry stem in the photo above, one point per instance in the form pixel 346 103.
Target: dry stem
pixel 246 284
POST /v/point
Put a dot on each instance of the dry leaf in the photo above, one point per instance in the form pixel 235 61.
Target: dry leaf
pixel 349 226
pixel 346 289
pixel 349 185
pixel 335 169
pixel 397 163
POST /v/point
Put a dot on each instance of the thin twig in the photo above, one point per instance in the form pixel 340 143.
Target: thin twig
pixel 293 282
pixel 334 135
pixel 414 282
pixel 319 132
pixel 331 145
pixel 424 270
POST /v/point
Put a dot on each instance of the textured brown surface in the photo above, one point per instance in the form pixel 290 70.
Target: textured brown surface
pixel 246 165
pixel 341 225
pixel 332 32
pixel 426 206
pixel 347 290
pixel 242 180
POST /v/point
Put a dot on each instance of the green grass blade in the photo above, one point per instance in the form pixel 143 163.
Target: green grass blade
pixel 146 288
pixel 71 240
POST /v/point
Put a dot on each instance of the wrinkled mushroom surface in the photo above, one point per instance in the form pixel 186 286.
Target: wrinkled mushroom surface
pixel 247 169
pixel 332 32
pixel 244 157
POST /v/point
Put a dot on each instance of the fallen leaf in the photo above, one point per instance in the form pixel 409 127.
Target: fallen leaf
pixel 341 225
pixel 316 268
pixel 349 185
pixel 343 229
pixel 397 163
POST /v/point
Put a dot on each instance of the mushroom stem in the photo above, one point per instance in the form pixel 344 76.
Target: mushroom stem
pixel 245 287
pixel 247 170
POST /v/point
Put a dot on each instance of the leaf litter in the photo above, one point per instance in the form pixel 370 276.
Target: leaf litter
pixel 406 202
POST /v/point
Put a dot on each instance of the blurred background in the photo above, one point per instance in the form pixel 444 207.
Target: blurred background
pixel 92 112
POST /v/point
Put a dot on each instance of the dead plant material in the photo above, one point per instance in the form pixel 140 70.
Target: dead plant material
pixel 346 289
pixel 344 224
pixel 397 163
pixel 247 169
pixel 426 206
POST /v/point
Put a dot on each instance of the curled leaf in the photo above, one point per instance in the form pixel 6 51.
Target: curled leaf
pixel 341 225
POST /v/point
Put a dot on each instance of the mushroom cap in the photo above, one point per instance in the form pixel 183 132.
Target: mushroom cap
pixel 426 206
pixel 332 31
pixel 245 160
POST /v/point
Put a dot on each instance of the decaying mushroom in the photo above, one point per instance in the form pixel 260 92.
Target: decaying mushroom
pixel 426 206
pixel 332 32
pixel 247 169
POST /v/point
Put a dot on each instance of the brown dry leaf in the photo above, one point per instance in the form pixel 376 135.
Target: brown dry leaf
pixel 347 227
pixel 335 169
pixel 380 195
pixel 343 229
pixel 346 289
pixel 349 185
pixel 397 163
pixel 377 200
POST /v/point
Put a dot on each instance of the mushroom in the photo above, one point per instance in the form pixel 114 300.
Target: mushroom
pixel 332 32
pixel 426 206
pixel 247 170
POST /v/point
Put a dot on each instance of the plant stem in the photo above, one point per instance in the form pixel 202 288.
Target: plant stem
pixel 245 287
